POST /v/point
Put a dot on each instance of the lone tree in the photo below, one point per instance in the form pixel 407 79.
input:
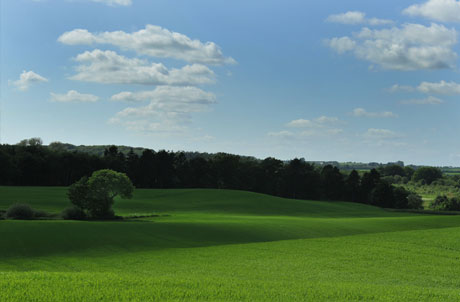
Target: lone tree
pixel 95 195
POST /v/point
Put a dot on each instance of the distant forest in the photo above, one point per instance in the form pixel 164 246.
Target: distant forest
pixel 29 163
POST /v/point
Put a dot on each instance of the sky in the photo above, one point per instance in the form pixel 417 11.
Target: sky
pixel 362 81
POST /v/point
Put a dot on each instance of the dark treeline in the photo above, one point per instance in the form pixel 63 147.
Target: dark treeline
pixel 31 164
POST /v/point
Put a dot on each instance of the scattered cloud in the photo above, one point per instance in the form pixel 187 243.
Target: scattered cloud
pixel 361 112
pixel 110 68
pixel 341 45
pixel 169 111
pixel 153 41
pixel 115 2
pixel 356 17
pixel 27 78
pixel 439 10
pixel 443 87
pixel 282 134
pixel 431 100
pixel 440 88
pixel 373 133
pixel 397 88
pixel 409 47
pixel 315 123
pixel 323 126
pixel 73 96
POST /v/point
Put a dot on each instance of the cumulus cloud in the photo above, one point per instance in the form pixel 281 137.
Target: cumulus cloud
pixel 74 97
pixel 443 87
pixel 356 17
pixel 153 41
pixel 361 112
pixel 27 78
pixel 409 47
pixel 169 111
pixel 342 44
pixel 439 10
pixel 110 68
pixel 440 88
pixel 431 100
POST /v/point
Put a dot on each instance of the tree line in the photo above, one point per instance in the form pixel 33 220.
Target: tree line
pixel 32 164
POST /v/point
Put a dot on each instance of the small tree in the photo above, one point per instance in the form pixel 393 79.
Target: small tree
pixel 96 194
pixel 415 201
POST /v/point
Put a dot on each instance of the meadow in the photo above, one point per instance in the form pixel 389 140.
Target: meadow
pixel 220 245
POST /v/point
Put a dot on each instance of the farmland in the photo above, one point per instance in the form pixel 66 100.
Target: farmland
pixel 214 245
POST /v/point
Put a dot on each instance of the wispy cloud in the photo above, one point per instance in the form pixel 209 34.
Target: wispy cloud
pixel 169 111
pixel 361 112
pixel 431 100
pixel 73 96
pixel 357 17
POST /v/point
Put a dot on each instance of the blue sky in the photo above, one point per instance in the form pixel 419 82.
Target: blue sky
pixel 324 80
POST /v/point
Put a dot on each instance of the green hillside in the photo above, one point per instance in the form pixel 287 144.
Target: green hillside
pixel 217 245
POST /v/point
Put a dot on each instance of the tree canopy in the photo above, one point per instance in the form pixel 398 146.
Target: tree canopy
pixel 96 194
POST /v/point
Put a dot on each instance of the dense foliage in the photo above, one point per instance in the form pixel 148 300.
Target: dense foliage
pixel 30 163
pixel 95 195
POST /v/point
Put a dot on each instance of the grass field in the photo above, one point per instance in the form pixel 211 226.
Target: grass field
pixel 217 245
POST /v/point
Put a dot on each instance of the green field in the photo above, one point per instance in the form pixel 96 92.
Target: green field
pixel 217 245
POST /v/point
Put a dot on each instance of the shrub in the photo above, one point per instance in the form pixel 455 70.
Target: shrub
pixel 415 201
pixel 73 213
pixel 443 203
pixel 20 211
pixel 40 214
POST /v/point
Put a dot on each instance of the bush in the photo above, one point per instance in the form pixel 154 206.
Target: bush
pixel 41 214
pixel 415 201
pixel 73 213
pixel 443 203
pixel 20 211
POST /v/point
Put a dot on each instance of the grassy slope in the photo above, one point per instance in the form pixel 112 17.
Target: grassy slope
pixel 228 245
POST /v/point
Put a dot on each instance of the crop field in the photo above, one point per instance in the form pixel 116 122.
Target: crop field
pixel 219 245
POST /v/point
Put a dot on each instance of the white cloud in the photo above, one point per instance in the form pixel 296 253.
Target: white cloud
pixel 300 123
pixel 281 134
pixel 169 111
pixel 115 2
pixel 73 96
pixel 153 41
pixel 380 134
pixel 431 100
pixel 323 126
pixel 443 87
pixel 397 87
pixel 341 45
pixel 439 10
pixel 110 68
pixel 356 17
pixel 351 17
pixel 410 47
pixel 361 112
pixel 440 88
pixel 326 119
pixel 26 79
pixel 315 123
